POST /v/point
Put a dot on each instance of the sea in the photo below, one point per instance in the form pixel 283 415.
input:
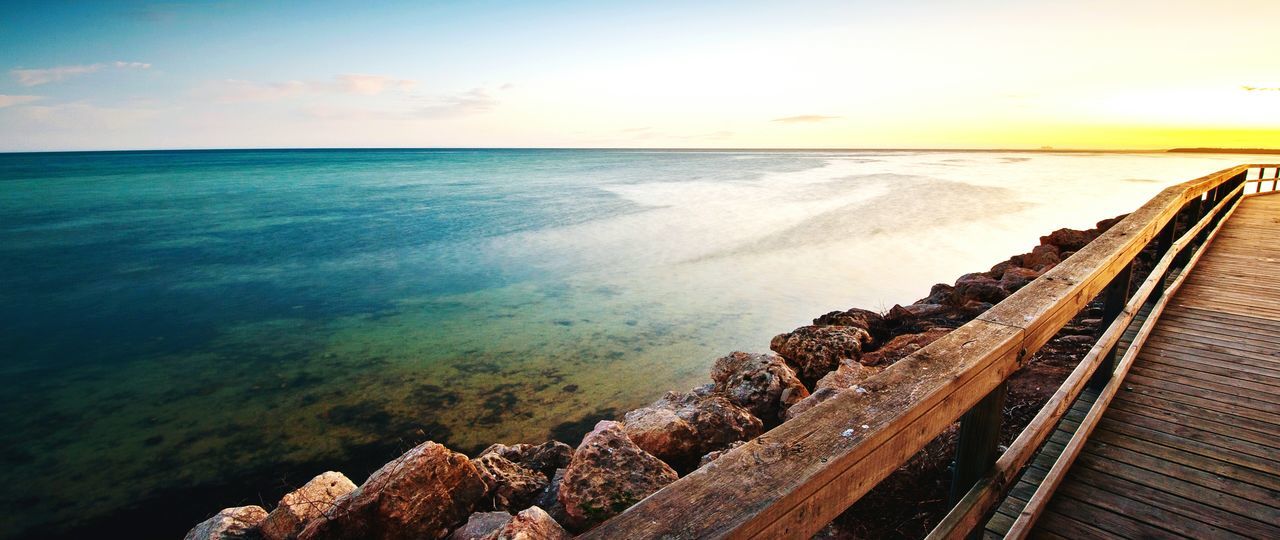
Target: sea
pixel 182 331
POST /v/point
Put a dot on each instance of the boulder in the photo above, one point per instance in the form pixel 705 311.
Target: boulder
pixel 940 293
pixel 1067 239
pixel 531 524
pixel 1042 257
pixel 549 498
pixel 544 458
pixel 481 525
pixel 308 502
pixel 813 351
pixel 1016 277
pixel 424 493
pixel 870 321
pixel 981 287
pixel 508 485
pixel 818 396
pixel 901 346
pixel 712 456
pixel 681 427
pixel 608 474
pixel 229 524
pixel 761 383
pixel 848 375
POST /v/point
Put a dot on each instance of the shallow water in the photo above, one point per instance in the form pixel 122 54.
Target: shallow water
pixel 191 330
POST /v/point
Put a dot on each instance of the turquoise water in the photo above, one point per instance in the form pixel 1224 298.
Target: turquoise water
pixel 185 331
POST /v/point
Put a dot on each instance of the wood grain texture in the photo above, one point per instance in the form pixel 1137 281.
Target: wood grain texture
pixel 1191 446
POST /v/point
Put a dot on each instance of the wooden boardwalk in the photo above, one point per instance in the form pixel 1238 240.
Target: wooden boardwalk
pixel 1190 445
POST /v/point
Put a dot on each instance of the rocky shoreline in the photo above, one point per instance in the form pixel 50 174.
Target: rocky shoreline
pixel 552 490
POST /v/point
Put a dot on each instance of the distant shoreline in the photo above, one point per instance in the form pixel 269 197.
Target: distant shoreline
pixel 1226 150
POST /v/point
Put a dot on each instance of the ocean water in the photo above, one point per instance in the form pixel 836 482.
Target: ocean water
pixel 184 331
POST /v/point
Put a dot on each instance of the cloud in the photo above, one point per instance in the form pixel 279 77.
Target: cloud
pixel 476 100
pixel 1261 89
pixel 371 85
pixel 238 91
pixel 9 101
pixel 35 77
pixel 804 119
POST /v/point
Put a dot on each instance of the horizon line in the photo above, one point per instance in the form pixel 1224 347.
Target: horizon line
pixel 666 149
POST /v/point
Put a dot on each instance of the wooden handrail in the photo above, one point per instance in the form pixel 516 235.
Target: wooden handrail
pixel 791 481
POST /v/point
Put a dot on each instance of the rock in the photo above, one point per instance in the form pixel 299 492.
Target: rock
pixel 981 287
pixel 544 458
pixel 870 321
pixel 481 525
pixel 919 311
pixel 901 346
pixel 1042 257
pixel 813 351
pixel 1106 224
pixel 760 383
pixel 1077 339
pixel 712 456
pixel 308 502
pixel 1067 239
pixel 229 524
pixel 549 498
pixel 940 293
pixel 1015 278
pixel 849 374
pixel 531 524
pixel 818 396
pixel 508 485
pixel 680 427
pixel 422 494
pixel 608 474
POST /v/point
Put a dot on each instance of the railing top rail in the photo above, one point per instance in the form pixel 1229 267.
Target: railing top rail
pixel 792 480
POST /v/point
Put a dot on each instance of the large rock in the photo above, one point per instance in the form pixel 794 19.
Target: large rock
pixel 1042 257
pixel 847 376
pixel 531 524
pixel 681 427
pixel 229 524
pixel 813 351
pixel 760 383
pixel 608 474
pixel 549 498
pixel 1067 239
pixel 422 494
pixel 544 458
pixel 980 287
pixel 304 504
pixel 712 456
pixel 508 485
pixel 902 346
pixel 870 321
pixel 1016 277
pixel 481 525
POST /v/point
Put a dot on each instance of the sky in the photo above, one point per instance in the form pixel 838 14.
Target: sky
pixel 87 75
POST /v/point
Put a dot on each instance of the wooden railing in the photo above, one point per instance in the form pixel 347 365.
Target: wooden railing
pixel 791 481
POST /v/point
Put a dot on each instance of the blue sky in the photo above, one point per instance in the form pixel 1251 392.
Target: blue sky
pixel 88 75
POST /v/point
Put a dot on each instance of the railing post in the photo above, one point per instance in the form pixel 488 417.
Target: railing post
pixel 1114 298
pixel 976 445
pixel 1164 242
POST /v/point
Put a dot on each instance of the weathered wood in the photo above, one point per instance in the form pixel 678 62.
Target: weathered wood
pixel 1035 507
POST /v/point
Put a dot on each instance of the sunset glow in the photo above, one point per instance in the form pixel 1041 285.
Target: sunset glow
pixel 992 74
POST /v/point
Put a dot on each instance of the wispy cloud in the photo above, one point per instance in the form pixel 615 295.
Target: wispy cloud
pixel 1261 89
pixel 35 77
pixel 804 119
pixel 9 101
pixel 237 91
pixel 476 100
